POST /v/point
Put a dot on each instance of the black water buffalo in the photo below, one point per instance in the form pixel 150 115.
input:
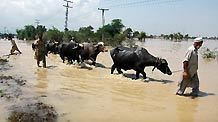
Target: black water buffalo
pixel 136 58
pixel 71 51
pixel 52 47
pixel 90 51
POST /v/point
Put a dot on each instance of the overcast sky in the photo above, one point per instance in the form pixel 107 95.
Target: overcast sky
pixel 195 17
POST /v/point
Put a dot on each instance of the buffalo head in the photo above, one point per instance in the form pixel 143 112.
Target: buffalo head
pixel 162 65
pixel 77 46
pixel 100 47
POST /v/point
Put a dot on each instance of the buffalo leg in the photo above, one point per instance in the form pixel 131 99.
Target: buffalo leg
pixel 69 60
pixel 113 68
pixel 119 71
pixel 62 57
pixel 82 59
pixel 78 58
pixel 93 61
pixel 140 70
pixel 137 75
pixel 144 74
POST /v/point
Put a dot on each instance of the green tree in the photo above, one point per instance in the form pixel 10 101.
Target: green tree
pixel 53 35
pixel 40 29
pixel 107 31
pixel 143 36
pixel 136 34
pixel 171 37
pixel 111 32
pixel 180 36
pixel 117 26
pixel 68 35
pixel 85 34
pixel 20 34
pixel 128 33
pixel 30 32
pixel 118 38
pixel 186 36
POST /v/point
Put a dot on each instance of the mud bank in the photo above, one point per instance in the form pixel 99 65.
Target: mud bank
pixel 33 112
pixel 20 104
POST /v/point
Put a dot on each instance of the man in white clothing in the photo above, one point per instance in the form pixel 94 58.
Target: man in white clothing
pixel 190 66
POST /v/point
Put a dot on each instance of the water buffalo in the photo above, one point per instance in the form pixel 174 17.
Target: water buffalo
pixel 136 58
pixel 90 51
pixel 71 51
pixel 52 47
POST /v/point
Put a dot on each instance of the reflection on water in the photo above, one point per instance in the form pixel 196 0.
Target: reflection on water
pixel 95 95
pixel 186 109
pixel 176 46
pixel 41 78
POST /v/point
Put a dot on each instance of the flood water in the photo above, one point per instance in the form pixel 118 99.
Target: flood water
pixel 82 95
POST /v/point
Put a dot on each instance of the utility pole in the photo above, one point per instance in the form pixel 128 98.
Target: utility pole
pixel 37 21
pixel 5 30
pixel 103 19
pixel 66 14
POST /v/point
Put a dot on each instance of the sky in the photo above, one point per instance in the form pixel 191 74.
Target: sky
pixel 193 17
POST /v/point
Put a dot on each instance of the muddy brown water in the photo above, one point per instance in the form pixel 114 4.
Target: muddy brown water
pixel 96 95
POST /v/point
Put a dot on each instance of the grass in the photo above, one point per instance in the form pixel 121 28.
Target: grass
pixel 1 93
pixel 3 60
pixel 209 54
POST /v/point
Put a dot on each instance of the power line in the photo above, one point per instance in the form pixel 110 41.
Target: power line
pixel 143 2
pixel 66 14
pixel 127 3
pixel 132 2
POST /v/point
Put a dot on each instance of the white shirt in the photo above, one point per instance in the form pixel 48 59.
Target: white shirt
pixel 192 57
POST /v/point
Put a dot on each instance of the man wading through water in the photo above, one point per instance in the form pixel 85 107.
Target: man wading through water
pixel 190 66
pixel 13 44
pixel 40 50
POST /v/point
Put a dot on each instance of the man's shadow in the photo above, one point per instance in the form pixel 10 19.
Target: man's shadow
pixel 132 76
pixel 51 67
pixel 204 94
pixel 200 94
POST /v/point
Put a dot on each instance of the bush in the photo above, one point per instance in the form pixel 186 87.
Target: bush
pixel 208 54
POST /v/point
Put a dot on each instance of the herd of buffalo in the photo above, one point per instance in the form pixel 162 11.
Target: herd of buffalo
pixel 136 58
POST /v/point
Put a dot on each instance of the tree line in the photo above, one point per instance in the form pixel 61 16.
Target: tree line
pixel 175 36
pixel 113 33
